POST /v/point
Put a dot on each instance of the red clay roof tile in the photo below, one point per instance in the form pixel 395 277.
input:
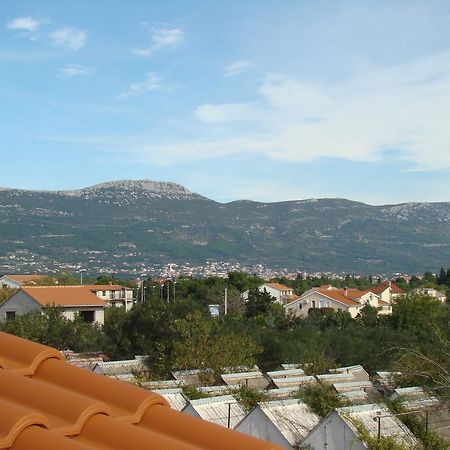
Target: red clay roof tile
pixel 58 406
pixel 63 295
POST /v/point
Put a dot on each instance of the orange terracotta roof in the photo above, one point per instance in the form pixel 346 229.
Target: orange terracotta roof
pixel 25 278
pixel 337 295
pixel 63 295
pixel 379 289
pixel 278 286
pixel 106 287
pixel 48 404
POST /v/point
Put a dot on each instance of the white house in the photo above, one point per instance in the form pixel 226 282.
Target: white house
pixel 432 293
pixel 337 299
pixel 284 422
pixel 72 301
pixel 17 281
pixel 387 291
pixel 281 293
pixel 113 294
pixel 224 410
pixel 341 430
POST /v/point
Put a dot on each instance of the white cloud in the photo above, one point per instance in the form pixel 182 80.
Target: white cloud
pixel 152 82
pixel 68 37
pixel 75 70
pixel 398 113
pixel 162 37
pixel 237 68
pixel 229 112
pixel 24 24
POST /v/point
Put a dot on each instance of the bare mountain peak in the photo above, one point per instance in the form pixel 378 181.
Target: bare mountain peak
pixel 147 188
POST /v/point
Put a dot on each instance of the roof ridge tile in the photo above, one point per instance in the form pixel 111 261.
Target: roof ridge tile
pixel 23 356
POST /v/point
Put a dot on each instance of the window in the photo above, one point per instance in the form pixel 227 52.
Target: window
pixel 88 316
pixel 313 304
pixel 10 315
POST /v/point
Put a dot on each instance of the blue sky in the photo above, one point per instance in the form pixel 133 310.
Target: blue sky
pixel 261 99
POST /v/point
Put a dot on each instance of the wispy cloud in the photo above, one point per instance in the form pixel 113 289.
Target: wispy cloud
pixel 397 114
pixel 152 82
pixel 162 38
pixel 26 23
pixel 68 37
pixel 238 67
pixel 228 112
pixel 75 70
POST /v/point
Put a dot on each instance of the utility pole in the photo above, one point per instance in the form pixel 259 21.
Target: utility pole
pixel 226 302
pixel 168 290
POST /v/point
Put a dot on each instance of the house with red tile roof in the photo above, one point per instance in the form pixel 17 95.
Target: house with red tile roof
pixel 113 294
pixel 16 281
pixel 387 292
pixel 337 299
pixel 48 404
pixel 281 293
pixel 72 301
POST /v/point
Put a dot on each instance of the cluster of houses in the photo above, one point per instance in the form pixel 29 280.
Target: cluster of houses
pixel 90 301
pixel 282 418
pixel 381 297
pixel 87 301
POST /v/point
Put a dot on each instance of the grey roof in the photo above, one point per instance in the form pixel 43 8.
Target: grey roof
pixel 358 372
pixel 335 377
pixel 219 390
pixel 293 381
pixel 288 366
pixel 175 397
pixel 254 380
pixel 358 396
pixel 193 376
pixel 216 410
pixel 390 425
pixel 414 398
pixel 292 418
pixel 288 373
pixel 285 392
pixel 352 386
pixel 162 384
pixel 125 367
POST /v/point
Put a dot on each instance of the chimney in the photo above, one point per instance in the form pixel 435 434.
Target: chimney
pixel 345 291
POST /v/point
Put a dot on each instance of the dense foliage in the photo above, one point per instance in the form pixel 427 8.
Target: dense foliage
pixel 180 333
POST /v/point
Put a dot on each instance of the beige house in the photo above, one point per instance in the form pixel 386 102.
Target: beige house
pixel 337 299
pixel 113 294
pixel 72 300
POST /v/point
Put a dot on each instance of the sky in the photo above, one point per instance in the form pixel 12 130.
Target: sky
pixel 258 99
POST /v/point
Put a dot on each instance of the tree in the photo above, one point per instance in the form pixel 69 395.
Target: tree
pixel 368 315
pixel 258 303
pixel 418 312
pixel 201 344
pixel 321 398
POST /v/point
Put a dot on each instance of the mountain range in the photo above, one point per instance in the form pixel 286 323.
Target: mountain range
pixel 148 222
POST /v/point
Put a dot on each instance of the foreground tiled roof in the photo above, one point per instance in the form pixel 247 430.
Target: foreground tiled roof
pixel 63 295
pixel 49 404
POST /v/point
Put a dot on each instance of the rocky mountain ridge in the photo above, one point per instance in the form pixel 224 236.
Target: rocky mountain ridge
pixel 143 222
